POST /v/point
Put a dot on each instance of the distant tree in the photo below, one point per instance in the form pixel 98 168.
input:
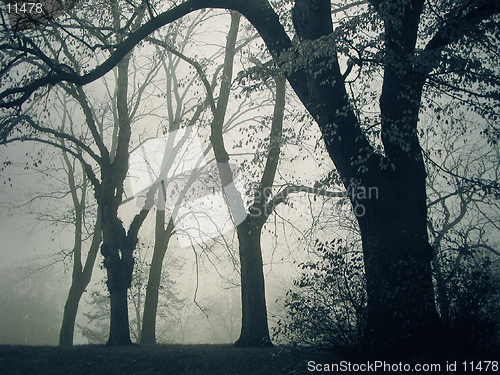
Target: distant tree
pixel 82 272
pixel 30 306
pixel 168 302
pixel 59 202
pixel 103 152
pixel 224 311
pixel 463 227
pixel 178 113
pixel 96 331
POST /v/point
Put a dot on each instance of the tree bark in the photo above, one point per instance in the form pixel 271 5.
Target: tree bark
pixel 254 328
pixel 148 333
pixel 70 310
pixel 79 283
pixel 119 330
pixel 402 318
pixel 119 266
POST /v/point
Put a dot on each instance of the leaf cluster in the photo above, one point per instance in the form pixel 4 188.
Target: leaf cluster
pixel 327 307
pixel 473 294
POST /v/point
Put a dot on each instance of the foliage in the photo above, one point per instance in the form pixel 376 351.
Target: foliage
pixel 328 305
pixel 97 330
pixel 473 294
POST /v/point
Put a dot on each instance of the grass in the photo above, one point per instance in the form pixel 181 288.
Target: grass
pixel 162 359
pixel 191 359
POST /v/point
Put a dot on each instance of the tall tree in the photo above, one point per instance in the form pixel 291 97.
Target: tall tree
pixel 177 110
pixel 254 327
pixel 111 163
pixel 81 273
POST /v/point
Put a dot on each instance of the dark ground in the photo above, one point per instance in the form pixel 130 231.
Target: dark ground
pixel 206 360
pixel 162 359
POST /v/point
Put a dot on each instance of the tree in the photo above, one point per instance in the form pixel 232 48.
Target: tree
pixel 254 327
pixel 168 304
pixel 327 306
pixel 417 46
pixel 81 273
pixel 112 164
pixel 462 226
pixel 224 310
pixel 177 110
pixel 63 179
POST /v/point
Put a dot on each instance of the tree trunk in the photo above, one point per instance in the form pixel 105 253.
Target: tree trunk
pixel 119 332
pixel 119 264
pixel 254 328
pixel 162 238
pixel 118 246
pixel 401 311
pixel 402 318
pixel 81 276
pixel 70 310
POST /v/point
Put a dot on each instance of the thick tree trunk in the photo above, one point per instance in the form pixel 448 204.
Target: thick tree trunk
pixel 119 333
pixel 254 328
pixel 402 318
pixel 119 266
pixel 402 315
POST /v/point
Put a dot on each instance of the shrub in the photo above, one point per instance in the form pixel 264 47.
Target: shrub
pixel 327 306
pixel 473 312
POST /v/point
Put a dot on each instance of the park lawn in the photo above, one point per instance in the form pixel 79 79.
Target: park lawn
pixel 162 359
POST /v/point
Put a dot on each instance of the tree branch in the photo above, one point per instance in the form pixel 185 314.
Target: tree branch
pixel 459 26
pixel 88 169
pixel 61 135
pixel 258 12
pixel 289 189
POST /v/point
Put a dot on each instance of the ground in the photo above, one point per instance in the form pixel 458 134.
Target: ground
pixel 222 360
pixel 163 359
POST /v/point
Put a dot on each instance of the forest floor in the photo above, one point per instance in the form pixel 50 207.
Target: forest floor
pixel 162 359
